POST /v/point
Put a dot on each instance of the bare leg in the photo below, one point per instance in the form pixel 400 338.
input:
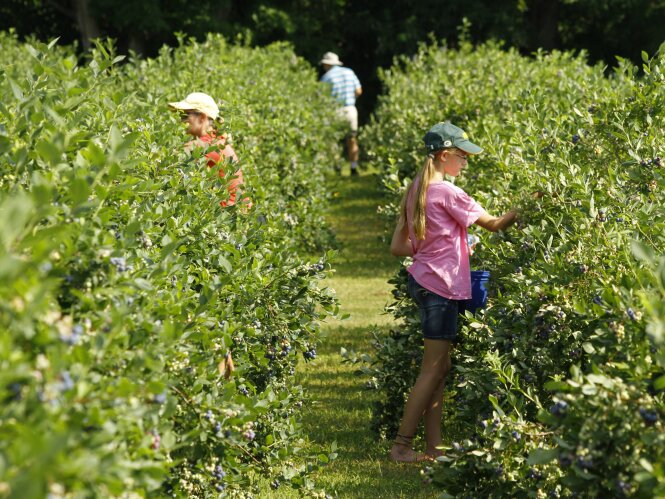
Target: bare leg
pixel 433 417
pixel 352 149
pixel 435 366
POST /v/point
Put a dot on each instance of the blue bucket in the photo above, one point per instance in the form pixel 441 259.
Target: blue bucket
pixel 479 288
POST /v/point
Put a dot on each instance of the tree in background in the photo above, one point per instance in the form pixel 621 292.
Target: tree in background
pixel 367 34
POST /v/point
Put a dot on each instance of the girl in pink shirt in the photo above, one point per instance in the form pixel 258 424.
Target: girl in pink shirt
pixel 432 229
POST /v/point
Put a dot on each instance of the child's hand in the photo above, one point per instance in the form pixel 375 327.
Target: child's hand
pixel 471 241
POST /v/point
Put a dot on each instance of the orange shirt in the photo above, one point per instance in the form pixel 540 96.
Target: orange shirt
pixel 222 153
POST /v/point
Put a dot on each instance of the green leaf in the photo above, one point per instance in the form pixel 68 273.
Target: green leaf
pixel 542 456
pixel 79 190
pixel 496 405
pixel 143 284
pixel 49 152
pixel 642 252
pixel 225 264
pixel 5 144
pixel 588 347
pixel 659 384
pixel 557 386
pixel 14 213
pixel 16 90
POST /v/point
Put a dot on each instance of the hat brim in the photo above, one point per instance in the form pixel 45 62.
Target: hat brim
pixel 468 147
pixel 180 106
pixel 186 106
pixel 330 63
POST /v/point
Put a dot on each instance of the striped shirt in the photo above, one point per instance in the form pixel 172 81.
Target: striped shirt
pixel 344 84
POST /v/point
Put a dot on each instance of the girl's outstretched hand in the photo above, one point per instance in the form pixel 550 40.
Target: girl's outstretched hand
pixel 495 224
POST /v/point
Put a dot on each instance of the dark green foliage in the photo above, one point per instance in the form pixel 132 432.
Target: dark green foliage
pixel 367 34
pixel 557 385
pixel 126 289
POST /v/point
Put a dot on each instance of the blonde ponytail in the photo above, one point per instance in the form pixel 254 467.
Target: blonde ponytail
pixel 423 178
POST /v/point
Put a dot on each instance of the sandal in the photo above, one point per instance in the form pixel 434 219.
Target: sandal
pixel 409 456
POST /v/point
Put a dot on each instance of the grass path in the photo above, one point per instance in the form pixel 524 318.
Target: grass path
pixel 339 407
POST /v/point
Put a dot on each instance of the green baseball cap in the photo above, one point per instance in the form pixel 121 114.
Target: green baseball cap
pixel 447 135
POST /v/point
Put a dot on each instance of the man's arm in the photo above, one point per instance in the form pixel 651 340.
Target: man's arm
pixel 359 91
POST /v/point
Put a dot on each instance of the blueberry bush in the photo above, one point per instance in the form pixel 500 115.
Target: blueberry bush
pixel 148 336
pixel 557 388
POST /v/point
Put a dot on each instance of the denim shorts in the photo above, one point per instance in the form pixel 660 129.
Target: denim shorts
pixel 438 315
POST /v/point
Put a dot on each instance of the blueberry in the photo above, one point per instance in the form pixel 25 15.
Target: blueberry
pixel 623 488
pixel 243 390
pixel 67 382
pixel 516 436
pixel 119 263
pixel 597 300
pixel 584 463
pixel 535 474
pixel 631 314
pixel 650 417
pixel 218 427
pixel 208 415
pixel 274 484
pixel 657 161
pixel 160 398
pixel 565 460
pixel 559 409
pixel 15 388
pixel 576 139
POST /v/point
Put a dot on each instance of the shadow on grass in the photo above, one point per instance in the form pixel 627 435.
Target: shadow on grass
pixel 339 409
pixel 359 228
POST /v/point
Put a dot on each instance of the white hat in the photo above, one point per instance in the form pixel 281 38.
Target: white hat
pixel 330 58
pixel 198 101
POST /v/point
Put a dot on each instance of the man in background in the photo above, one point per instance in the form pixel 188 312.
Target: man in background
pixel 345 89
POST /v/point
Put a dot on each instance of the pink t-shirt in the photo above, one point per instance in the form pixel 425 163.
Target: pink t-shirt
pixel 441 260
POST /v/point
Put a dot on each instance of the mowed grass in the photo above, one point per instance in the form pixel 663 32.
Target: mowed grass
pixel 339 406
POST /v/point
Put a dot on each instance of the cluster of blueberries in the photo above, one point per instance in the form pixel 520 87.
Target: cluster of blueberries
pixel 219 475
pixel 655 161
pixel 120 264
pixel 309 354
pixel 559 408
pixel 74 337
